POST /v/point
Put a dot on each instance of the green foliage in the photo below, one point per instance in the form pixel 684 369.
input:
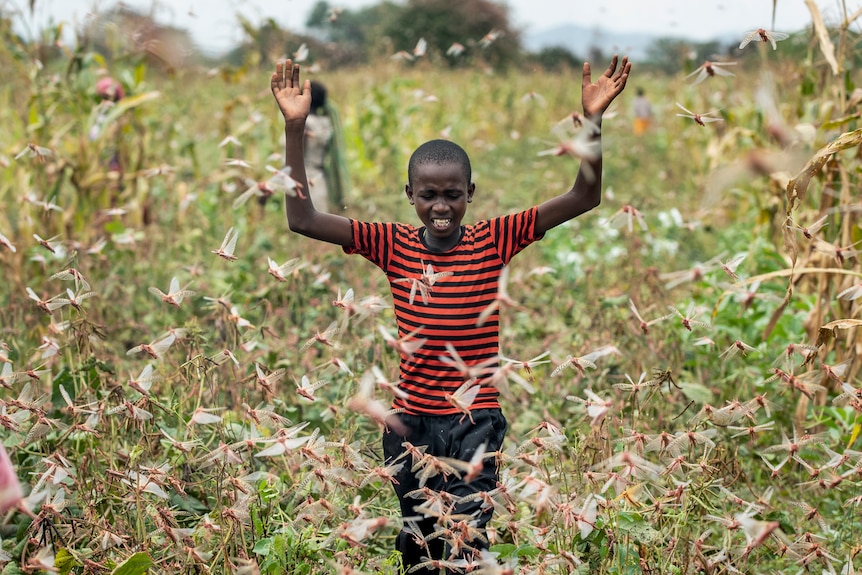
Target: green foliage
pixel 443 23
pixel 557 58
pixel 137 564
pixel 180 471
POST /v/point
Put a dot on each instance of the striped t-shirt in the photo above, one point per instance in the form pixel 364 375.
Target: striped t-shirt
pixel 465 282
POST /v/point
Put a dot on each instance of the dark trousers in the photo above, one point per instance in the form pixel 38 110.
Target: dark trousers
pixel 455 437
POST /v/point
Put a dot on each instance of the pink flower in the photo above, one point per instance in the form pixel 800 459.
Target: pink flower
pixel 109 89
pixel 10 487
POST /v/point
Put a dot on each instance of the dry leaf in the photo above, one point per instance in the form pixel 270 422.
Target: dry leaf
pixel 826 45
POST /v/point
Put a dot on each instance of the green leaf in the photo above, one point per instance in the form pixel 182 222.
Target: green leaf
pixel 11 569
pixel 140 73
pixel 127 104
pixel 697 392
pixel 626 520
pixel 262 547
pixel 190 504
pixel 137 564
pixel 505 550
pixel 64 561
pixel 64 378
pixel 806 87
pixel 527 551
pixel 115 227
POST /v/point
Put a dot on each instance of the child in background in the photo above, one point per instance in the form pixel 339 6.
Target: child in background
pixel 443 275
pixel 643 113
pixel 324 164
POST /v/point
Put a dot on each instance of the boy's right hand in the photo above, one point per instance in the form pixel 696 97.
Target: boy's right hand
pixel 294 100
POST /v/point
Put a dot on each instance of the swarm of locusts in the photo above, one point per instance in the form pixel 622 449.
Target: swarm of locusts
pixel 685 409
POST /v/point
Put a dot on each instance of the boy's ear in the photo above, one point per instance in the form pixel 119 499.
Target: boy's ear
pixel 408 191
pixel 470 189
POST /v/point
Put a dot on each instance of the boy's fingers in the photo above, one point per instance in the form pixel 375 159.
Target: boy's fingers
pixel 587 75
pixel 612 66
pixel 625 66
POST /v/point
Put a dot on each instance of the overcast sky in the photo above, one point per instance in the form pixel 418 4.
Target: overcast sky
pixel 212 23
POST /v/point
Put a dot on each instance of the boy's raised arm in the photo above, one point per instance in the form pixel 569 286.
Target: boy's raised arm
pixel 294 101
pixel 586 193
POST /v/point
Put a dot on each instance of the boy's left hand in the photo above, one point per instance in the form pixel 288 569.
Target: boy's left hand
pixel 596 97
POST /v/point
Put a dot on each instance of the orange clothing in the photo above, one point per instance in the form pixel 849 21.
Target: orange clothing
pixel 451 308
pixel 641 126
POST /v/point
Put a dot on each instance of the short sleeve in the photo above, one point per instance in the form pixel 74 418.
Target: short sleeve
pixel 513 232
pixel 373 241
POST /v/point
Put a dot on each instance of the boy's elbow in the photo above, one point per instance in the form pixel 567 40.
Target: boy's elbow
pixel 590 202
pixel 297 224
pixel 298 227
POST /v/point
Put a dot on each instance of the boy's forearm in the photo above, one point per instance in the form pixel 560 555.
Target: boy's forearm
pixel 588 183
pixel 302 217
pixel 299 208
pixel 585 194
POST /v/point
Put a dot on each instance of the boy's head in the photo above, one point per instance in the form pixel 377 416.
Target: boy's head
pixel 439 152
pixel 439 187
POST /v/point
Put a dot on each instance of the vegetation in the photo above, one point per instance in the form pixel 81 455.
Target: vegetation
pixel 717 434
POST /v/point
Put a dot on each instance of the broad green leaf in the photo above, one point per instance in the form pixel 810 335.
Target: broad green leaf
pixel 527 551
pixel 137 564
pixel 263 547
pixel 64 561
pixel 505 550
pixel 11 569
pixel 626 520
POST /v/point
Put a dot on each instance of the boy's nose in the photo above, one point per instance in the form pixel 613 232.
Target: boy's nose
pixel 440 204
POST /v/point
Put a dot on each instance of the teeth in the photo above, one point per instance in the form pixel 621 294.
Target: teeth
pixel 441 223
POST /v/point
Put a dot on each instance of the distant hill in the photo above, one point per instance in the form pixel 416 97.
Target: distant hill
pixel 580 39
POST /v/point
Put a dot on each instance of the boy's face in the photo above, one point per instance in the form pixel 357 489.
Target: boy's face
pixel 440 193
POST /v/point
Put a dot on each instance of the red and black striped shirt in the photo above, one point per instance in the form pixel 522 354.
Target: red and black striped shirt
pixel 451 308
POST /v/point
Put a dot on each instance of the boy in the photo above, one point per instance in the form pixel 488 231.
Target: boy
pixel 443 276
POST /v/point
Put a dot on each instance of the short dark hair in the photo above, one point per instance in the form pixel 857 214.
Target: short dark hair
pixel 439 152
pixel 318 95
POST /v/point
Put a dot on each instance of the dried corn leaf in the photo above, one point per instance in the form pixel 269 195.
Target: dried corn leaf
pixel 826 45
pixel 827 332
pixel 797 186
pixel 842 324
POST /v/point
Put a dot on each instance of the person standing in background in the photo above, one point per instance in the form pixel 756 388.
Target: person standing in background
pixel 643 113
pixel 324 164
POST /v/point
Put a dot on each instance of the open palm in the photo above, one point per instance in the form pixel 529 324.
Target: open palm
pixel 597 96
pixel 293 98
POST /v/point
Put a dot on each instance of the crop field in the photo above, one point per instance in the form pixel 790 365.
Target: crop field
pixel 680 370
